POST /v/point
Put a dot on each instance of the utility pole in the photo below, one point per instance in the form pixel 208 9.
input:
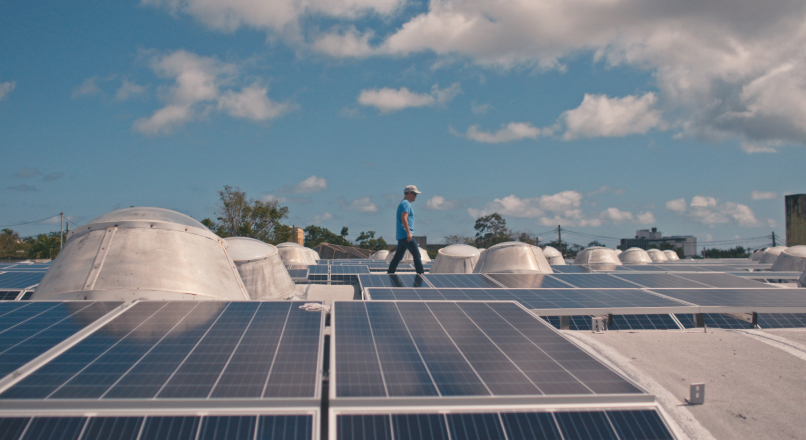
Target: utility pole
pixel 61 230
pixel 773 238
pixel 559 236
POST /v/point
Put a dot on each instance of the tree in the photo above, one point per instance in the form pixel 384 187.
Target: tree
pixel 596 243
pixel 459 239
pixel 344 232
pixel 668 246
pixel 9 243
pixel 737 252
pixel 316 234
pixel 45 246
pixel 242 217
pixel 527 237
pixel 367 240
pixel 491 230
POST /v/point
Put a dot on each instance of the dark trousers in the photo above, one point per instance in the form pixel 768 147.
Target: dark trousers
pixel 403 246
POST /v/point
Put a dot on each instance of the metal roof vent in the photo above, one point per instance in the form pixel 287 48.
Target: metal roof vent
pixel 635 255
pixel 597 255
pixel 554 256
pixel 791 259
pixel 657 255
pixel 293 253
pixel 771 254
pixel 261 268
pixel 513 257
pixel 142 253
pixel 408 259
pixel 456 258
pixel 671 255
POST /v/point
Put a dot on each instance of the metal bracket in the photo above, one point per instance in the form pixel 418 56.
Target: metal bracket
pixel 92 277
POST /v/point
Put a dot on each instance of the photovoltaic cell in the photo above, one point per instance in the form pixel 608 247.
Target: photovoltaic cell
pixel 570 269
pixel 188 350
pixel 9 295
pixel 465 280
pixel 714 320
pixel 528 280
pixel 30 329
pixel 782 320
pixel 458 349
pixel 643 322
pixel 752 298
pixel 722 280
pixel 581 425
pixel 595 281
pixel 20 280
pixel 349 269
pixel 318 269
pixel 394 280
pixel 534 298
pixel 575 322
pixel 660 280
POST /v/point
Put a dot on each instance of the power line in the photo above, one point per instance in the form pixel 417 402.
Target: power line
pixel 31 222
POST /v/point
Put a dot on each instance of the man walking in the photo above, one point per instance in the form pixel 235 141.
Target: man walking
pixel 405 226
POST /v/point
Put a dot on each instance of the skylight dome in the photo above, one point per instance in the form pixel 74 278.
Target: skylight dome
pixel 261 268
pixel 635 255
pixel 456 258
pixel 513 257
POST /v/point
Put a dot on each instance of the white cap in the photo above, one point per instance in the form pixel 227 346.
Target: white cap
pixel 411 189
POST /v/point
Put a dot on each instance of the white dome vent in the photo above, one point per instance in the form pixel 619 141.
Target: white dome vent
pixel 671 255
pixel 261 268
pixel 635 255
pixel 513 257
pixel 456 258
pixel 657 256
pixel 554 257
pixel 142 253
pixel 408 258
pixel 791 259
pixel 597 255
pixel 771 254
pixel 380 255
pixel 294 253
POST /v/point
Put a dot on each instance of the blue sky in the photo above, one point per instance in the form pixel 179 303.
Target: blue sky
pixel 603 117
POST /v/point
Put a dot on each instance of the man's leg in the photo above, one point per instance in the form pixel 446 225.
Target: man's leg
pixel 399 253
pixel 414 248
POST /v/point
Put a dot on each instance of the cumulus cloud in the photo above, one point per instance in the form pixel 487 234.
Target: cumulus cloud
pixel 389 100
pixel 129 89
pixel 479 109
pixel 51 177
pixel 439 203
pixel 616 215
pixel 363 204
pixel 710 211
pixel 514 131
pixel 6 88
pixel 88 88
pixel 311 184
pixel 601 116
pixel 350 43
pixel 646 218
pixel 27 173
pixel 199 88
pixel 763 195
pixel 323 217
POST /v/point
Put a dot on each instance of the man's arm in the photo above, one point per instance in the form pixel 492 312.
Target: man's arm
pixel 404 218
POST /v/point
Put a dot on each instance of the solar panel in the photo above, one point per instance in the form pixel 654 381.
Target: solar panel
pixel 193 427
pixel 743 298
pixel 20 280
pixel 392 280
pixel 29 329
pixel 643 322
pixel 464 280
pixel 660 280
pixel 407 349
pixel 575 322
pixel 570 269
pixel 349 269
pixel 781 320
pixel 27 295
pixel 540 299
pixel 528 281
pixel 9 295
pixel 714 320
pixel 318 269
pixel 510 425
pixel 595 281
pixel 188 350
pixel 722 280
pixel 298 274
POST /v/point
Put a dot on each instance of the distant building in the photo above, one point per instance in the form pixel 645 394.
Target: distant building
pixel 795 219
pixel 645 238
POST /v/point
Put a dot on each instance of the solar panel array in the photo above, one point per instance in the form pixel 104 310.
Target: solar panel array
pixel 19 279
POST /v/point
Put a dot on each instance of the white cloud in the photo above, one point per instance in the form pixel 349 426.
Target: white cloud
pixel 273 198
pixel 600 116
pixel 198 89
pixel 439 203
pixel 763 195
pixel 646 218
pixel 88 88
pixel 479 109
pixel 514 131
pixel 389 100
pixel 678 205
pixel 616 215
pixel 549 209
pixel 323 217
pixel 311 184
pixel 6 88
pixel 350 43
pixel 129 89
pixel 753 148
pixel 709 211
pixel 363 204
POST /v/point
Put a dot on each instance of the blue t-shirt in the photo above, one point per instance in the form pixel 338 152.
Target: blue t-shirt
pixel 404 206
